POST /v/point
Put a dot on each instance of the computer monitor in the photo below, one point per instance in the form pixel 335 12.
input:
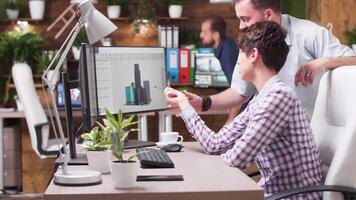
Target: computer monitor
pixel 208 72
pixel 130 79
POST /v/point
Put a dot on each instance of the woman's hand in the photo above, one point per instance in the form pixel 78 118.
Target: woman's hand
pixel 176 98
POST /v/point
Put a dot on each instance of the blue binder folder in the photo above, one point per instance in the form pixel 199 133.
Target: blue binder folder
pixel 172 64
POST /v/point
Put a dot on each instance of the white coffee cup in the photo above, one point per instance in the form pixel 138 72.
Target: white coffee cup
pixel 171 137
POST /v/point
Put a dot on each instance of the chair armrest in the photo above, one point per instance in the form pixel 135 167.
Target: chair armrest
pixel 349 193
pixel 38 129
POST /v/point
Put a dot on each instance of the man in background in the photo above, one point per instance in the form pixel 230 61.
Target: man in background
pixel 213 34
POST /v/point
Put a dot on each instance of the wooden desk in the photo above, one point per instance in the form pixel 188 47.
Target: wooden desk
pixel 205 177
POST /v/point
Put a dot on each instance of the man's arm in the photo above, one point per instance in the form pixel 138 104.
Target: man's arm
pixel 233 112
pixel 227 99
pixel 224 100
pixel 307 72
pixel 322 45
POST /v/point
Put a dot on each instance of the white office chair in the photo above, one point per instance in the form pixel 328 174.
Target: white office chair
pixel 334 127
pixel 36 118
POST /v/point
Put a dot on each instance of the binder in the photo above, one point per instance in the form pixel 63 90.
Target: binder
pixel 206 50
pixel 184 65
pixel 175 36
pixel 172 55
pixel 162 36
pixel 169 37
pixel 192 64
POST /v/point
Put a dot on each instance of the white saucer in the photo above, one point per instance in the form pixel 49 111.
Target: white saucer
pixel 161 144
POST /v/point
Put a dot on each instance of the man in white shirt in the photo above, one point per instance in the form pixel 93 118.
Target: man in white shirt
pixel 307 41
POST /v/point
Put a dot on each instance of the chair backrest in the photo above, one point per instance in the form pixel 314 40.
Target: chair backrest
pixel 334 127
pixel 34 112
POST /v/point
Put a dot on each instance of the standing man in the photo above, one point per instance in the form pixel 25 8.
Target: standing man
pixel 213 34
pixel 307 41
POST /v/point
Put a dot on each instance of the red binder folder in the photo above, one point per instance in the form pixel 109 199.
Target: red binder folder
pixel 184 65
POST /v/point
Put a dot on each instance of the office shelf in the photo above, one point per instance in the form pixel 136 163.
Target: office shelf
pixel 159 19
pixel 13 21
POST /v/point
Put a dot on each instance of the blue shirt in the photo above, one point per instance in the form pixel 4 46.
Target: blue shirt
pixel 227 53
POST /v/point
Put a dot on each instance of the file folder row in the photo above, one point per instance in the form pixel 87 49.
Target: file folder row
pixel 168 36
pixel 181 63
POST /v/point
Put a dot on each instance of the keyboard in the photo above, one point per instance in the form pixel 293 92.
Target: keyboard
pixel 154 158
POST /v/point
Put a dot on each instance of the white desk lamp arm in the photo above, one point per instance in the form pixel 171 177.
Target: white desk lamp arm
pixel 49 83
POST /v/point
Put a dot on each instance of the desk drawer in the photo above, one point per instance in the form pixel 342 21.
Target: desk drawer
pixel 12 159
pixel 12 138
pixel 12 177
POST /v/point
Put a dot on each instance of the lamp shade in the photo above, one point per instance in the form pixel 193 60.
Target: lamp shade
pixel 97 26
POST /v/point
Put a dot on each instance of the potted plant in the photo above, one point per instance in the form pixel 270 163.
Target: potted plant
pixel 143 13
pixel 37 9
pixel 114 8
pixel 123 171
pixel 175 8
pixel 19 47
pixel 98 146
pixel 81 38
pixel 12 9
pixel 351 38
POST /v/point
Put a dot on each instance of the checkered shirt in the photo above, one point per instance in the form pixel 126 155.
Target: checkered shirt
pixel 273 131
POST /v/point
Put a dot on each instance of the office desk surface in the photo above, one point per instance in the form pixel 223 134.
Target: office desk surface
pixel 205 177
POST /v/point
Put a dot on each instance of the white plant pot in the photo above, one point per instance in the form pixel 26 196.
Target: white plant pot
pixel 12 14
pixel 76 52
pixel 114 11
pixel 124 174
pixel 99 161
pixel 175 11
pixel 37 9
pixel 354 47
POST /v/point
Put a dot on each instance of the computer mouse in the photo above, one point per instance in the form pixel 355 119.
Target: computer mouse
pixel 175 147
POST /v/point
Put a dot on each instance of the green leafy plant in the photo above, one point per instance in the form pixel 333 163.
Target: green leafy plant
pixel 175 2
pixel 81 38
pixel 144 12
pixel 43 61
pixel 116 2
pixel 189 36
pixel 19 46
pixel 351 36
pixel 99 139
pixel 120 126
pixel 12 4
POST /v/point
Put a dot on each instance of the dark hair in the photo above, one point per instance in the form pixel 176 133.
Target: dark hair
pixel 269 39
pixel 217 24
pixel 275 5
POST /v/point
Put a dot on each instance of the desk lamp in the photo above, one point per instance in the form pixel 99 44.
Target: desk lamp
pixel 97 26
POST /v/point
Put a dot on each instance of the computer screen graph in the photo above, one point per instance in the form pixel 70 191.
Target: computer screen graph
pixel 130 79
